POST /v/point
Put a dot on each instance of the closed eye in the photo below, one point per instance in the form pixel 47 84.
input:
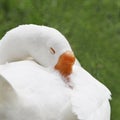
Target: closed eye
pixel 52 51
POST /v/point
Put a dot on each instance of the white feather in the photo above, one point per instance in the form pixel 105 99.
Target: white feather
pixel 90 98
pixel 41 94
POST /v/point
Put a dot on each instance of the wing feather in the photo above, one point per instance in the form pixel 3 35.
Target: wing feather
pixel 90 98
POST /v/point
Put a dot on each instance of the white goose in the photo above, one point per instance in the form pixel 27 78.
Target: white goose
pixel 54 89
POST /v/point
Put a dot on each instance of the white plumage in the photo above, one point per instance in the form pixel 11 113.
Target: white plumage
pixel 90 98
pixel 32 91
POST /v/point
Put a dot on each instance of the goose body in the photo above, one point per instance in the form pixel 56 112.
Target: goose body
pixel 38 89
pixel 41 99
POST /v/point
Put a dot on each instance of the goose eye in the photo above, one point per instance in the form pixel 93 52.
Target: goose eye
pixel 52 51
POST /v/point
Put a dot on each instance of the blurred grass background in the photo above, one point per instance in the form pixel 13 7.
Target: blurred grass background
pixel 91 26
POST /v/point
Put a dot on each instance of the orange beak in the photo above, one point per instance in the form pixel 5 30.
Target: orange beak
pixel 65 63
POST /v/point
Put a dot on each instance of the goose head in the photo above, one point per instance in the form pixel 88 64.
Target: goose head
pixel 54 51
pixel 45 45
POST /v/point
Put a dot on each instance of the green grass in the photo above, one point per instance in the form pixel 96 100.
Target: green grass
pixel 91 26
